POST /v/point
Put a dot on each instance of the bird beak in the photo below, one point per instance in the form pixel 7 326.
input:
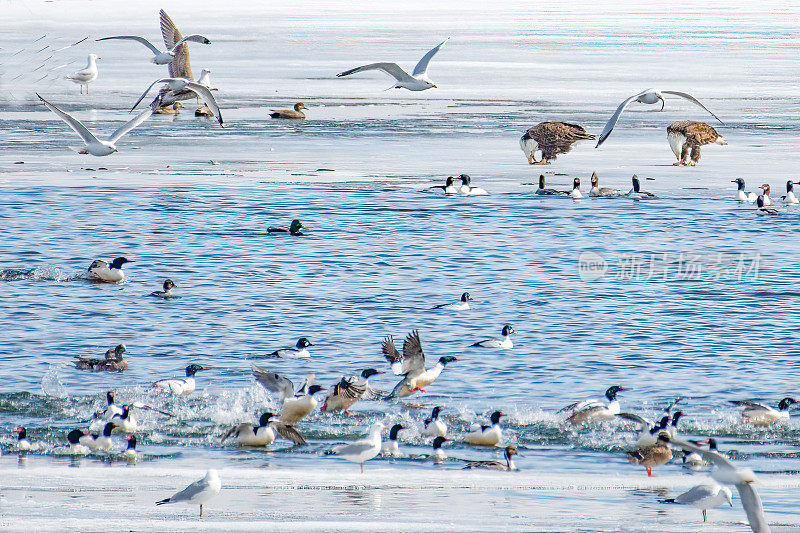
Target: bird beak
pixel 435 87
pixel 205 368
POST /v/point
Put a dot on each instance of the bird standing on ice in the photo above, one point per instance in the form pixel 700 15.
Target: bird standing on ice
pixel 199 492
pixel 85 75
pixel 688 135
pixel 551 138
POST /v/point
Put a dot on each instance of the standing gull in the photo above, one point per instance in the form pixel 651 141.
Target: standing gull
pixel 704 497
pixel 199 492
pixel 95 146
pixel 552 138
pixel 687 136
pixel 417 81
pixel 648 96
pixel 361 450
pixel 161 57
pixel 85 75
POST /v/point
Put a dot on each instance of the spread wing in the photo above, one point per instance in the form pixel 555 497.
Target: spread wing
pixel 422 66
pixel 193 38
pixel 372 393
pixel 128 126
pixel 289 432
pixel 413 357
pixel 178 67
pixel 694 100
pixel 751 502
pixel 392 355
pixel 72 122
pixel 162 80
pixel 636 418
pixel 273 382
pixel 746 403
pixel 615 117
pixel 392 69
pixel 350 388
pixel 142 40
pixel 205 94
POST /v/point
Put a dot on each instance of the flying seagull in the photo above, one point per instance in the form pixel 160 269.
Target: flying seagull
pixel 179 84
pixel 648 96
pixel 417 81
pixel 161 57
pixel 94 145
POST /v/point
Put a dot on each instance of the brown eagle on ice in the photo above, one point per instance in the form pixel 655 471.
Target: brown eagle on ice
pixel 552 138
pixel 687 135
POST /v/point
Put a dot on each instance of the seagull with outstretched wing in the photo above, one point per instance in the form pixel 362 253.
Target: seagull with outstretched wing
pixel 161 57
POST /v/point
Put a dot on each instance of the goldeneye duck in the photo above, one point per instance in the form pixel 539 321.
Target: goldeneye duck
pixel 790 198
pixel 167 292
pixel 504 343
pixel 603 192
pixel 299 351
pixel 482 435
pixel 101 271
pixel 468 190
pixel 448 187
pixel 637 193
pixel 762 209
pixel 180 387
pixel 547 192
pixel 461 305
pixel 575 193
pixel 294 229
pixel 742 196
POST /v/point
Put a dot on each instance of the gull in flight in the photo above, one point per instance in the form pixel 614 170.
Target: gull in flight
pixel 198 492
pixel 161 57
pixel 416 81
pixel 87 74
pixel 648 96
pixel 94 145
pixel 178 84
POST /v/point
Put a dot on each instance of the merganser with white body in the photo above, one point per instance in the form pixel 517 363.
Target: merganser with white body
pixel 110 273
pixel 790 198
pixel 673 428
pixel 693 460
pixel 461 305
pixel 349 390
pixel 264 433
pixel 300 350
pixel 178 387
pixel 468 190
pixel 548 192
pixel 390 447
pixel 759 414
pixel 603 192
pixel 486 435
pixel 593 410
pixel 411 365
pixel 449 187
pixel 75 446
pixel 99 442
pixel 704 497
pixel 742 196
pixel 439 454
pixel 763 210
pixel 23 444
pixel 295 406
pixel 434 426
pixel 504 343
pixel 575 193
pixel 112 408
pixel 124 421
pixel 637 193
pixel 167 292
pixel 130 454
pixel 199 492
pixel 727 473
pixel 508 453
pixel 361 450
pixel 767 200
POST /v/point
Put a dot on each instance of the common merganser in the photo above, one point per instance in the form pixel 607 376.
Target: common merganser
pixel 23 444
pixel 481 435
pixel 113 361
pixel 168 286
pixel 637 193
pixel 296 228
pixel 604 192
pixel 99 442
pixel 434 426
pixel 508 453
pixel 448 187
pixel 439 454
pixel 742 196
pixel 349 390
pixel 704 497
pixel 461 305
pixel 101 271
pixel 575 193
pixel 468 190
pixel 390 447
pixel 412 365
pixel 693 460
pixel 130 453
pixel 75 446
pixel 125 421
pixel 361 450
pixel 504 343
pixel 178 387
pixel 264 433
pixel 296 113
pixel 548 192
pixel 767 201
pixel 299 351
pixel 199 492
pixel 759 414
pixel 652 455
pixel 593 410
pixel 295 406
pixel 112 408
pixel 763 210
pixel 790 198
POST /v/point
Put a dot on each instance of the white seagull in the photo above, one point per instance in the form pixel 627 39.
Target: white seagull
pixel 361 450
pixel 648 96
pixel 161 57
pixel 198 492
pixel 704 497
pixel 179 84
pixel 85 75
pixel 94 145
pixel 417 81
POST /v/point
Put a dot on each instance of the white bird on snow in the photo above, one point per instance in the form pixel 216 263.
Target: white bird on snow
pixel 199 492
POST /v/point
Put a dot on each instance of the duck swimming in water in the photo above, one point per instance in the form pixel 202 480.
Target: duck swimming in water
pixel 636 191
pixel 448 187
pixel 113 362
pixel 575 193
pixel 391 447
pixel 169 110
pixel 294 229
pixel 296 113
pixel 602 192
pixel 504 343
pixel 760 414
pixel 434 426
pixel 110 273
pixel 593 410
pixel 461 305
pixel 482 435
pixel 790 198
pixel 508 453
pixel 542 191
pixel 264 433
pixel 742 196
pixel 167 292
pixel 179 387
pixel 467 189
pixel 300 351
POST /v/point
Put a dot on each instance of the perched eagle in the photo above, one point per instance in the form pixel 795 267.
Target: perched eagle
pixel 552 138
pixel 686 135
